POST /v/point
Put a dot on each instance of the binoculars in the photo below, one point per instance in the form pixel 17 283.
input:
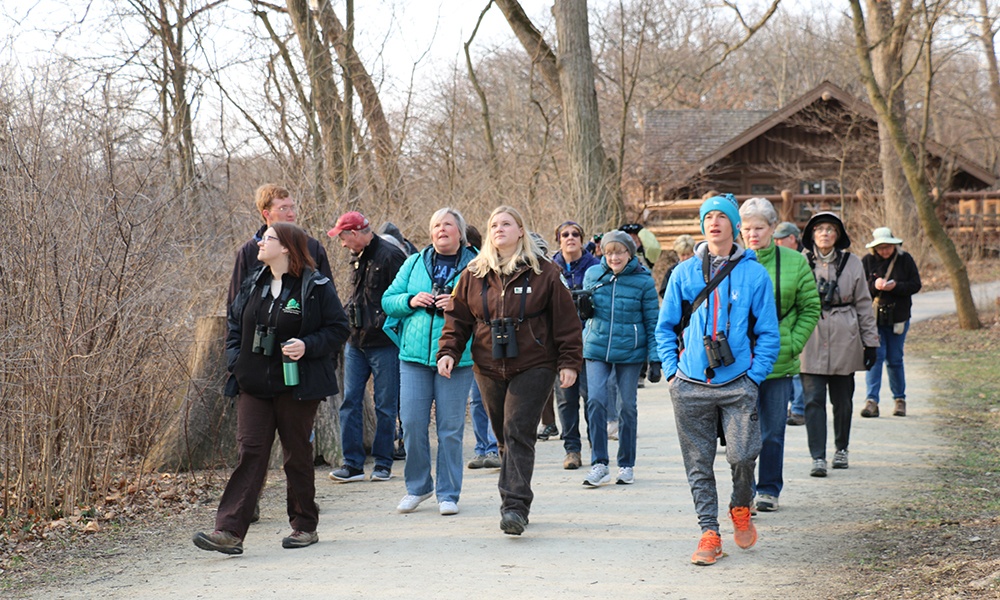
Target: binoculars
pixel 436 291
pixel 263 340
pixel 504 334
pixel 718 351
pixel 584 302
pixel 827 289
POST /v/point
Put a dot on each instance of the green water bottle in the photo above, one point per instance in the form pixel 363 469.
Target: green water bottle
pixel 290 368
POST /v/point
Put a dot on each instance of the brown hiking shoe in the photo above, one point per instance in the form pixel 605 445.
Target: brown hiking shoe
pixel 219 541
pixel 572 461
pixel 709 549
pixel 745 534
pixel 900 408
pixel 870 409
pixel 300 539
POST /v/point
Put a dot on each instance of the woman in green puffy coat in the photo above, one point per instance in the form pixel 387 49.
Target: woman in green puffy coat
pixel 798 310
pixel 415 303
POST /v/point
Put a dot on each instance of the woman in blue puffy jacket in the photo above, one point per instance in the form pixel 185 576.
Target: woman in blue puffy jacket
pixel 618 339
pixel 415 303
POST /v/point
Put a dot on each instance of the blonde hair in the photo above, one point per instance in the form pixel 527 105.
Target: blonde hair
pixel 266 194
pixel 489 258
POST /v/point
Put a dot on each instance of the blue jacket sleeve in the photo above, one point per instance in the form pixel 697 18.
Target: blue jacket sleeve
pixel 670 316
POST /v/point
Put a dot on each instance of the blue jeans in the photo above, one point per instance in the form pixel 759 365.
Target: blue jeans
pixel 382 363
pixel 486 442
pixel 568 405
pixel 890 351
pixel 798 400
pixel 601 404
pixel 772 397
pixel 420 388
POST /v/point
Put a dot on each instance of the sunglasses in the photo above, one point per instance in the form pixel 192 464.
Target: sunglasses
pixel 570 233
pixel 630 228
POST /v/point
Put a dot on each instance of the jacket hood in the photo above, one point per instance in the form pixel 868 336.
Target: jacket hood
pixel 843 240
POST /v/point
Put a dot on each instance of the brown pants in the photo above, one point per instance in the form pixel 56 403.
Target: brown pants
pixel 257 421
pixel 514 406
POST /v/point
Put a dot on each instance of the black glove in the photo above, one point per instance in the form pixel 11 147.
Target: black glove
pixel 655 373
pixel 870 357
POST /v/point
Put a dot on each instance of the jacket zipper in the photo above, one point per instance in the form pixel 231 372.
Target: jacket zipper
pixel 614 292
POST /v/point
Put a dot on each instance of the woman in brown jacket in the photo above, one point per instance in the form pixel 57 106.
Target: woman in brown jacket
pixel 524 330
pixel 844 341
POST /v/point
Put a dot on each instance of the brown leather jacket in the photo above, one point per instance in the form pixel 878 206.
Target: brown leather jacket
pixel 548 334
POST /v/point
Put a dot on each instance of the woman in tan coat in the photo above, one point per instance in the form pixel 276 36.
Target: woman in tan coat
pixel 844 341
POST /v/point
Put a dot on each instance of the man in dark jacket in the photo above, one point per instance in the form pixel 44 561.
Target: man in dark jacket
pixel 369 350
pixel 275 205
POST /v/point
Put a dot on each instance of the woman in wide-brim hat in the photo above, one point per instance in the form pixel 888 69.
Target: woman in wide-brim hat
pixel 892 280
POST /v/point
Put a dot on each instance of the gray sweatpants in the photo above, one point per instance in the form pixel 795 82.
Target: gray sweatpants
pixel 696 414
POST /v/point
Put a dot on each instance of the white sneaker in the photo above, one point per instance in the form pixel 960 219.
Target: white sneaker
pixel 625 476
pixel 599 475
pixel 448 508
pixel 409 503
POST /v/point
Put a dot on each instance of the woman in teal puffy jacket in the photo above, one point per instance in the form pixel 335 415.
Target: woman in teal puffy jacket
pixel 415 303
pixel 618 339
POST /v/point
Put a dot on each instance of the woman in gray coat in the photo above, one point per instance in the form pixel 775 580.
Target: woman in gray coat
pixel 844 341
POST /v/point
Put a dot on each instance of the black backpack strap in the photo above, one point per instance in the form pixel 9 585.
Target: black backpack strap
pixel 486 308
pixel 687 311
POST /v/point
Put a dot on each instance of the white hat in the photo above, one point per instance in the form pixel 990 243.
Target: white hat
pixel 882 235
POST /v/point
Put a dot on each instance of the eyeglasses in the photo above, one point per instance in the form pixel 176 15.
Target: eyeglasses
pixel 826 229
pixel 617 253
pixel 570 233
pixel 283 209
pixel 267 238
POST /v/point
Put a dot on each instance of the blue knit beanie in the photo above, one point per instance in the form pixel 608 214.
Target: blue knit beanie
pixel 725 203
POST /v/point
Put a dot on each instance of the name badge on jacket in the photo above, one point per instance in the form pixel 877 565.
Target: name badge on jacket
pixel 521 290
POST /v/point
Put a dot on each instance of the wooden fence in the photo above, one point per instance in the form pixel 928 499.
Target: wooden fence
pixel 972 217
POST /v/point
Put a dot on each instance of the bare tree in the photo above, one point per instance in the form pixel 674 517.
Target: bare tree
pixel 168 22
pixel 891 117
pixel 987 36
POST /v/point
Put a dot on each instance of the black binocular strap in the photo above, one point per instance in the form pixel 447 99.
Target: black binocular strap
pixel 282 299
pixel 524 300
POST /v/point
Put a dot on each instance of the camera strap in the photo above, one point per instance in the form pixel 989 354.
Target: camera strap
pixel 688 309
pixel 888 272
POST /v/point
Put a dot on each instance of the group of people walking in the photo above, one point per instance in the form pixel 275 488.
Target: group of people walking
pixel 501 320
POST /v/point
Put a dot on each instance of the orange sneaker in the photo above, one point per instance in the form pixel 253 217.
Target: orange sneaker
pixel 709 549
pixel 745 533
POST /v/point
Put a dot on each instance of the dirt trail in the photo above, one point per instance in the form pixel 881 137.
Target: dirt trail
pixel 584 543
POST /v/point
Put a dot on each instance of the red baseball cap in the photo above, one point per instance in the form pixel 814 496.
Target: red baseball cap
pixel 349 221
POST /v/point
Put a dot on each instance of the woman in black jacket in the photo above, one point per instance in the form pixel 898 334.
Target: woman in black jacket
pixel 892 280
pixel 286 312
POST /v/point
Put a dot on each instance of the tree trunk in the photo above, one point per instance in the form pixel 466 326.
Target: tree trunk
pixel 325 97
pixel 371 104
pixel 987 36
pixel 203 430
pixel 538 50
pixel 887 64
pixel 916 177
pixel 599 207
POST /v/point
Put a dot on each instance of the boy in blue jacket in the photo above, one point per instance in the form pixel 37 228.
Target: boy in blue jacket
pixel 714 363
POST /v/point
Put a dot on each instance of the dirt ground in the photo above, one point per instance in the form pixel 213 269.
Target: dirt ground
pixel 615 540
